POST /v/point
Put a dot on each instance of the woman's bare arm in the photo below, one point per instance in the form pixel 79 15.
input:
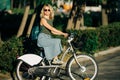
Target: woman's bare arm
pixel 52 29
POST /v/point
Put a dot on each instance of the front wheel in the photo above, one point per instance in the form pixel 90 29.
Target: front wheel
pixel 84 67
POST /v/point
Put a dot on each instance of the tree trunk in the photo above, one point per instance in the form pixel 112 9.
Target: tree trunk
pixel 76 15
pixel 104 15
pixel 19 5
pixel 31 24
pixel 1 42
pixel 24 20
pixel 11 4
pixel 78 24
pixel 34 3
pixel 70 23
pixel 0 39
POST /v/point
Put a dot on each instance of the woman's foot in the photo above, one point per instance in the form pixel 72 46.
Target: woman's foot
pixel 57 61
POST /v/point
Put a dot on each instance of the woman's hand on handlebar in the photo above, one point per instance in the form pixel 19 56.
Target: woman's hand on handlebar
pixel 66 35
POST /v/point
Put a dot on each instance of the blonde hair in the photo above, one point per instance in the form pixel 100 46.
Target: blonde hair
pixel 51 11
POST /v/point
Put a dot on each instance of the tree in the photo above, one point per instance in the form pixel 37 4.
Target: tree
pixel 11 1
pixel 24 20
pixel 31 24
pixel 76 14
pixel 112 10
pixel 0 39
pixel 104 14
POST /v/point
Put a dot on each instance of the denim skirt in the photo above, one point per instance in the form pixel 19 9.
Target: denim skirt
pixel 52 46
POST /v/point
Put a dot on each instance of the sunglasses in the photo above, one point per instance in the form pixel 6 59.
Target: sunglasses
pixel 46 9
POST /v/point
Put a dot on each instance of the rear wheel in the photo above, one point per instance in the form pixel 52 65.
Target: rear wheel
pixel 87 71
pixel 22 71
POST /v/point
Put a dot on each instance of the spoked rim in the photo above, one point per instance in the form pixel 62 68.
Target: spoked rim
pixel 22 71
pixel 23 74
pixel 88 71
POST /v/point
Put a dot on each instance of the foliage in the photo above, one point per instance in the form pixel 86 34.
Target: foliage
pixel 93 2
pixel 109 35
pixel 87 19
pixel 60 22
pixel 21 11
pixel 86 40
pixel 42 2
pixel 30 46
pixel 8 53
pixel 91 40
pixel 92 19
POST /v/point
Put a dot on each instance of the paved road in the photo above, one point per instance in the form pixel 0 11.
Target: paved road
pixel 109 67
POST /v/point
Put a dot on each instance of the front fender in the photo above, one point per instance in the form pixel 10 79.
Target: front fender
pixel 30 59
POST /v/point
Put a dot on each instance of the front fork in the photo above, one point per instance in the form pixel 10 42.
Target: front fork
pixel 82 68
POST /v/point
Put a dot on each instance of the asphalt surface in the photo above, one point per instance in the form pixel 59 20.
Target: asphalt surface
pixel 109 67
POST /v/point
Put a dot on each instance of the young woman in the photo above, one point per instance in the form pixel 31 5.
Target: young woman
pixel 52 46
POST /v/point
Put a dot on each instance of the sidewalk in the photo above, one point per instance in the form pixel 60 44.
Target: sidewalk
pixel 108 51
pixel 5 76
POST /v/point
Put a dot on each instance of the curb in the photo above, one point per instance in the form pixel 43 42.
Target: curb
pixel 108 51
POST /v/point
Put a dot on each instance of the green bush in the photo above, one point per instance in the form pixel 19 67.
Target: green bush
pixel 114 34
pixel 8 52
pixel 103 34
pixel 109 35
pixel 91 40
pixel 86 40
